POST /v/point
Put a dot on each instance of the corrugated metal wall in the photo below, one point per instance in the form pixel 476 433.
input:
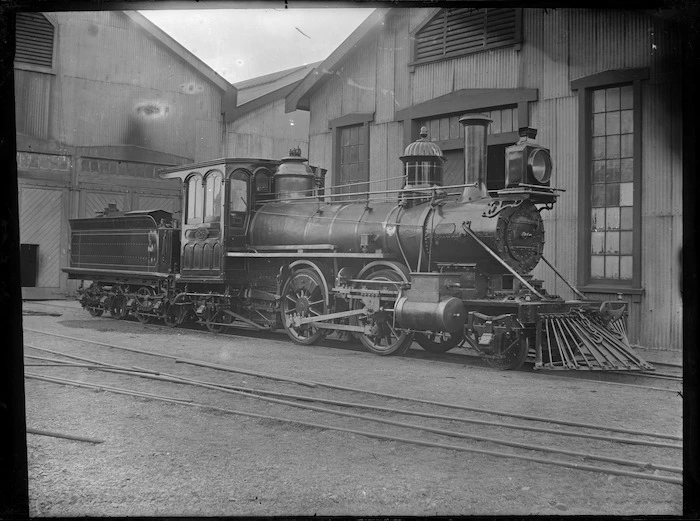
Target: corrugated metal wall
pixel 32 95
pixel 152 99
pixel 268 132
pixel 359 76
pixel 558 46
pixel 555 119
pixel 494 69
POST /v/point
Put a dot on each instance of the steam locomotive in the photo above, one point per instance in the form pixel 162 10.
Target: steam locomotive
pixel 263 245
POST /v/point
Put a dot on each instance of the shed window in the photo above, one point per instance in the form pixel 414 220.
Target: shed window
pixel 454 32
pixel 612 187
pixel 610 135
pixel 34 41
pixel 353 159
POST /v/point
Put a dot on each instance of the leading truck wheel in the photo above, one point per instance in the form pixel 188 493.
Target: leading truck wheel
pixel 303 296
pixel 438 341
pixel 384 338
pixel 513 355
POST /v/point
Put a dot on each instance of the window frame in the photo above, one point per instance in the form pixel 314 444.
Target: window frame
pixel 207 216
pixel 336 126
pixel 516 42
pixel 54 51
pixel 585 87
pixel 192 220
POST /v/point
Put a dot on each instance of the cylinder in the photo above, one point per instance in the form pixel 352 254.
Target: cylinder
pixel 475 154
pixel 446 315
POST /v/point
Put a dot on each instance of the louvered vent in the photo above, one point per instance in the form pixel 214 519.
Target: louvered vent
pixel 460 31
pixel 34 40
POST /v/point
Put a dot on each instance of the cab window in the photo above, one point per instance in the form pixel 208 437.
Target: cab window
pixel 212 201
pixel 238 193
pixel 195 200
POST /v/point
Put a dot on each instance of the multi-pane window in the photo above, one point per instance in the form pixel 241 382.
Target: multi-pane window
pixel 354 173
pixel 454 32
pixel 612 183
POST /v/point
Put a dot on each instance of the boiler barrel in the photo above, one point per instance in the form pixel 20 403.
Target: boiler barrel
pixel 438 231
pixel 341 225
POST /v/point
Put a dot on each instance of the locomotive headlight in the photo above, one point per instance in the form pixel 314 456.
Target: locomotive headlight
pixel 540 165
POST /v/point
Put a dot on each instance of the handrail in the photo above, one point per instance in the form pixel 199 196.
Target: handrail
pixel 504 263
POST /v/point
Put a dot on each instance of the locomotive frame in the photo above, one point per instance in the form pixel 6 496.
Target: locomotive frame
pixel 263 246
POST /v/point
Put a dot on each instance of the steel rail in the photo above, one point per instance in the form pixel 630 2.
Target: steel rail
pixel 639 475
pixel 161 376
pixel 547 373
pixel 309 383
pixel 143 352
pixel 304 398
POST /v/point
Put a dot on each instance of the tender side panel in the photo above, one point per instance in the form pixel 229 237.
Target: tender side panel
pixel 120 243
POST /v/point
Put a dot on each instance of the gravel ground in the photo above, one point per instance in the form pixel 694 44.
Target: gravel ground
pixel 162 459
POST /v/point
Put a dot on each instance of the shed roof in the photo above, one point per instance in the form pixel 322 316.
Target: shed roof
pixel 249 90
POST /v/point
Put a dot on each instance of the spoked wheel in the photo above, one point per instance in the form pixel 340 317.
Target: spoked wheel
pixel 384 337
pixel 218 320
pixel 142 297
pixel 513 355
pixel 94 311
pixel 117 307
pixel 303 296
pixel 438 341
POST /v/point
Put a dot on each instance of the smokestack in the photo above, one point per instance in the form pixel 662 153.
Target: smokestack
pixel 475 133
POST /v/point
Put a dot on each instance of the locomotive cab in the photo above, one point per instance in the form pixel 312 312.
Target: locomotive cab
pixel 218 198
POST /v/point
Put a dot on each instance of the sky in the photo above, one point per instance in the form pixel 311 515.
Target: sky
pixel 241 44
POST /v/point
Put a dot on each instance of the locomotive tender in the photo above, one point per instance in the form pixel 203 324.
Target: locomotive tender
pixel 263 246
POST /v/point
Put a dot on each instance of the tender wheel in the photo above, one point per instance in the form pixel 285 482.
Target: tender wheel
pixel 514 354
pixel 437 341
pixel 95 312
pixel 218 320
pixel 117 307
pixel 384 339
pixel 303 296
pixel 144 304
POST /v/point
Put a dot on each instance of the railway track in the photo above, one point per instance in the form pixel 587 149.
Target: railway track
pixel 406 420
pixel 669 379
